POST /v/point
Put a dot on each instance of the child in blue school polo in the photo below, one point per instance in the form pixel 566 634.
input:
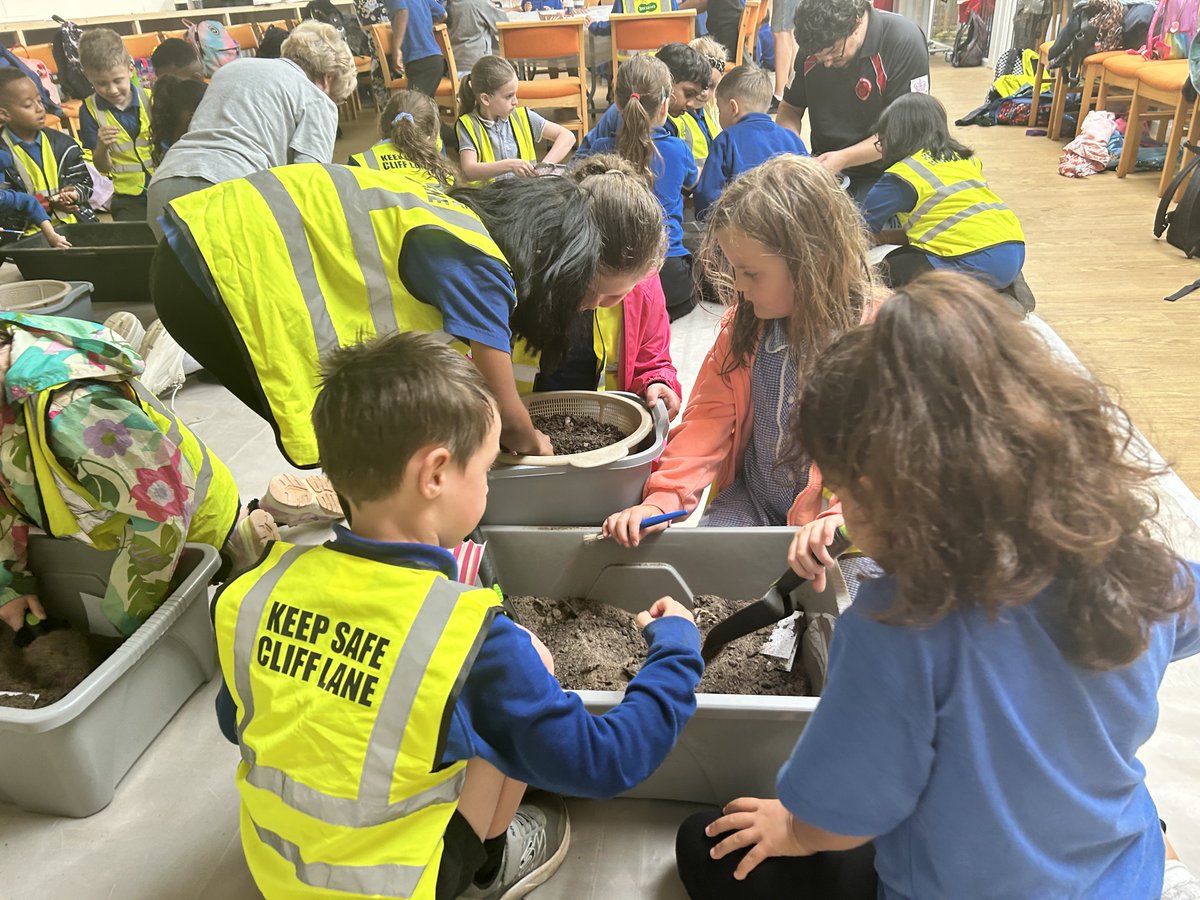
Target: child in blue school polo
pixel 750 136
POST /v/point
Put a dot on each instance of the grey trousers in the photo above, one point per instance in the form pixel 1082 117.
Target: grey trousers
pixel 163 190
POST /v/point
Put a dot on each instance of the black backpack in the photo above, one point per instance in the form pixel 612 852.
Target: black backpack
pixel 1182 224
pixel 356 38
pixel 66 56
pixel 970 43
pixel 272 42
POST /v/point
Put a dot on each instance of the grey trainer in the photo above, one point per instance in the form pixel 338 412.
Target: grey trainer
pixel 535 847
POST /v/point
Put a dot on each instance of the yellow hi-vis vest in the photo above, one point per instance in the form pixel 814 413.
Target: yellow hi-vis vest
pixel 384 157
pixel 692 134
pixel 131 158
pixel 41 181
pixel 214 501
pixel 608 329
pixel 304 258
pixel 522 129
pixel 956 212
pixel 344 671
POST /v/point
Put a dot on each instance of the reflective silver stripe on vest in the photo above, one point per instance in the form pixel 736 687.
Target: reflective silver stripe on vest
pixel 175 435
pixel 951 221
pixel 291 227
pixel 381 881
pixel 940 189
pixel 371 158
pixel 142 141
pixel 366 250
pixel 524 373
pixel 371 806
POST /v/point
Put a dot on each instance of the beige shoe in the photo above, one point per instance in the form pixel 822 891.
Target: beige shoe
pixel 164 360
pixel 249 540
pixel 296 500
pixel 128 327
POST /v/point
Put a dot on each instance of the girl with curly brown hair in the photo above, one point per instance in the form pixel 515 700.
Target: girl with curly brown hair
pixel 986 698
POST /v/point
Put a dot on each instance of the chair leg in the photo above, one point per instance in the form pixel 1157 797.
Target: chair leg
pixel 1133 135
pixel 1183 111
pixel 1039 76
pixel 1086 97
pixel 1058 106
pixel 1102 96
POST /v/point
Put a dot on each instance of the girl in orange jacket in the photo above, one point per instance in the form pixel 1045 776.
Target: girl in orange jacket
pixel 787 252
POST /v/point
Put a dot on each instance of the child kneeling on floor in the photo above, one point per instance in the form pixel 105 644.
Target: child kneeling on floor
pixel 411 144
pixel 986 699
pixel 389 717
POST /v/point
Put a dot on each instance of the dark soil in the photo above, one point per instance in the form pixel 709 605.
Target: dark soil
pixel 51 666
pixel 600 648
pixel 577 434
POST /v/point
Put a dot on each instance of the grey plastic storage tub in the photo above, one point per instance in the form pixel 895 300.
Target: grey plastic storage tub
pixel 67 758
pixel 734 745
pixel 114 256
pixel 48 297
pixel 564 495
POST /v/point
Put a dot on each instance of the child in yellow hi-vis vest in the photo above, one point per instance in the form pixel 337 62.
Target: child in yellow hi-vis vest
pixel 390 717
pixel 114 122
pixel 496 137
pixel 412 143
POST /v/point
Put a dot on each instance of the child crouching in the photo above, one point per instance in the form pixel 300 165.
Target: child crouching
pixel 409 127
pixel 389 717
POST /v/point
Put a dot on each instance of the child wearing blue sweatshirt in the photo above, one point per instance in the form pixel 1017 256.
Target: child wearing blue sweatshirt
pixel 643 90
pixel 986 699
pixel 749 136
pixel 389 717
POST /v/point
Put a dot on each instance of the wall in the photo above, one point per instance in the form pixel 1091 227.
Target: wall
pixel 38 9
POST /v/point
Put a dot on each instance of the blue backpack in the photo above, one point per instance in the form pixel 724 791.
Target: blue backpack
pixel 213 44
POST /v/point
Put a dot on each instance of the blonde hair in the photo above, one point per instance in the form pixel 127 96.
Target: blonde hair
pixel 643 85
pixel 749 85
pixel 793 207
pixel 102 49
pixel 319 49
pixel 710 50
pixel 410 121
pixel 633 238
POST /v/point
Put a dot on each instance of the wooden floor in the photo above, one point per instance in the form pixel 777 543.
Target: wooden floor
pixel 1098 273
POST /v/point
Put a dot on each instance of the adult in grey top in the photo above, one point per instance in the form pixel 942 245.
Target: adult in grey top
pixel 472 28
pixel 258 114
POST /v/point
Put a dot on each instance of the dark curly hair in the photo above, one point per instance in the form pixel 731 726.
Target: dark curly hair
pixel 990 469
pixel 819 24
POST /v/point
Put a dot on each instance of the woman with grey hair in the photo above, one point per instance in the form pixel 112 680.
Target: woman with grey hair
pixel 261 113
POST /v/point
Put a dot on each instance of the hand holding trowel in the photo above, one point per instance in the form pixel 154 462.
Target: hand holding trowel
pixel 774 605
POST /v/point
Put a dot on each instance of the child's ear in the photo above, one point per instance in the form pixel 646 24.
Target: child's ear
pixel 432 464
pixel 4 116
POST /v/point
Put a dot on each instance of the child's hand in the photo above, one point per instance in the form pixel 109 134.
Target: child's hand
pixel 520 167
pixel 659 391
pixel 12 613
pixel 626 526
pixel 109 135
pixel 765 826
pixel 53 238
pixel 67 200
pixel 809 554
pixel 664 606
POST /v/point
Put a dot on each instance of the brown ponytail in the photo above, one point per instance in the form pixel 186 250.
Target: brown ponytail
pixel 643 85
pixel 487 76
pixel 410 121
pixel 630 218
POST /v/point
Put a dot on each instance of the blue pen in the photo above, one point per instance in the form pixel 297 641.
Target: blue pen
pixel 647 522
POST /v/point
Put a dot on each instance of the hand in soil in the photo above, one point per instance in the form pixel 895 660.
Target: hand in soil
pixel 577 434
pixel 664 606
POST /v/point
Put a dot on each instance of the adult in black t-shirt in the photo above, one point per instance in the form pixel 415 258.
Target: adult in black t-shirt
pixel 852 62
pixel 724 19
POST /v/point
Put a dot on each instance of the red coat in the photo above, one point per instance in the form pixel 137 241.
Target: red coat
pixel 646 344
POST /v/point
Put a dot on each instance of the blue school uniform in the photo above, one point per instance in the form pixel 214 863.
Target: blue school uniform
pixel 749 142
pixel 674 172
pixel 981 759
pixel 513 713
pixel 419 42
pixel 998 266
pixel 607 126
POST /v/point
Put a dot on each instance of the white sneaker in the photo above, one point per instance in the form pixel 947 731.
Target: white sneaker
pixel 164 360
pixel 128 327
pixel 535 846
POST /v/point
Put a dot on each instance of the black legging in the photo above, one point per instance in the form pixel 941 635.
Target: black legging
pixel 902 265
pixel 204 329
pixel 822 876
pixel 425 74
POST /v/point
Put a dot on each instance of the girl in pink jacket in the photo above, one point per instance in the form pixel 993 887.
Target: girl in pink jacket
pixel 787 251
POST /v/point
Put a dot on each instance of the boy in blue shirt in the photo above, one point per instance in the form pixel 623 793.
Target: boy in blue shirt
pixel 114 122
pixel 749 136
pixel 691 77
pixel 415 51
pixel 389 717
pixel 44 164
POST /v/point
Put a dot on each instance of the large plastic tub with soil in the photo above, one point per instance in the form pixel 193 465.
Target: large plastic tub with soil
pixel 67 758
pixel 114 256
pixel 569 496
pixel 735 744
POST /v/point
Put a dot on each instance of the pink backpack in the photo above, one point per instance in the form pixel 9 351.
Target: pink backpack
pixel 1172 30
pixel 214 45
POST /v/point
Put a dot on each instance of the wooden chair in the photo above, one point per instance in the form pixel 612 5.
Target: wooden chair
pixel 647 32
pixel 554 39
pixel 285 24
pixel 754 13
pixel 446 95
pixel 180 33
pixel 246 37
pixel 1089 83
pixel 381 40
pixel 1118 78
pixel 447 92
pixel 1058 19
pixel 1158 96
pixel 141 44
